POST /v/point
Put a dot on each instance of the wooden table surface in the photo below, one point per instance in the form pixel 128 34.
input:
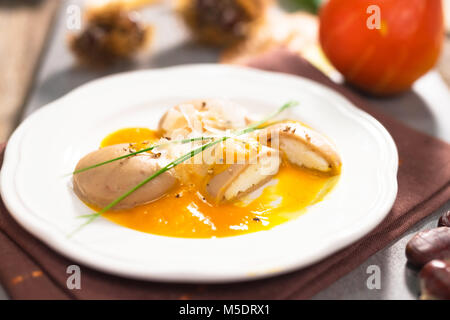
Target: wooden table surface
pixel 24 26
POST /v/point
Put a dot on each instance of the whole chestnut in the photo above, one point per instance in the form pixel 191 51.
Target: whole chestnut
pixel 444 221
pixel 429 245
pixel 435 280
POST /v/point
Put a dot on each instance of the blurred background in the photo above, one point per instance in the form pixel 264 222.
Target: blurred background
pixel 49 47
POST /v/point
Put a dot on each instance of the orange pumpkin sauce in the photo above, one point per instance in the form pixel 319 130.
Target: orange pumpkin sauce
pixel 185 212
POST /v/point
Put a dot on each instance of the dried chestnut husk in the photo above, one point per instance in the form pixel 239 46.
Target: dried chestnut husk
pixel 297 32
pixel 429 245
pixel 222 22
pixel 435 280
pixel 112 33
pixel 444 221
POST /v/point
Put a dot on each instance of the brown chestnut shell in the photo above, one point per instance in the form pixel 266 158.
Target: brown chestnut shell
pixel 429 245
pixel 444 221
pixel 435 280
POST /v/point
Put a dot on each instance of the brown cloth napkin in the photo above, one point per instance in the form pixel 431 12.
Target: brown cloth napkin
pixel 30 270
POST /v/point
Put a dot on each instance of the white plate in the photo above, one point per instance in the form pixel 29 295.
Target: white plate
pixel 51 141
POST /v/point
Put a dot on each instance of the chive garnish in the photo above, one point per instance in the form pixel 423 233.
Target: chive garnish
pixel 183 141
pixel 187 156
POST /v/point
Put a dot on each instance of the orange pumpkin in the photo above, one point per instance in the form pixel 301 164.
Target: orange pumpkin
pixel 386 55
